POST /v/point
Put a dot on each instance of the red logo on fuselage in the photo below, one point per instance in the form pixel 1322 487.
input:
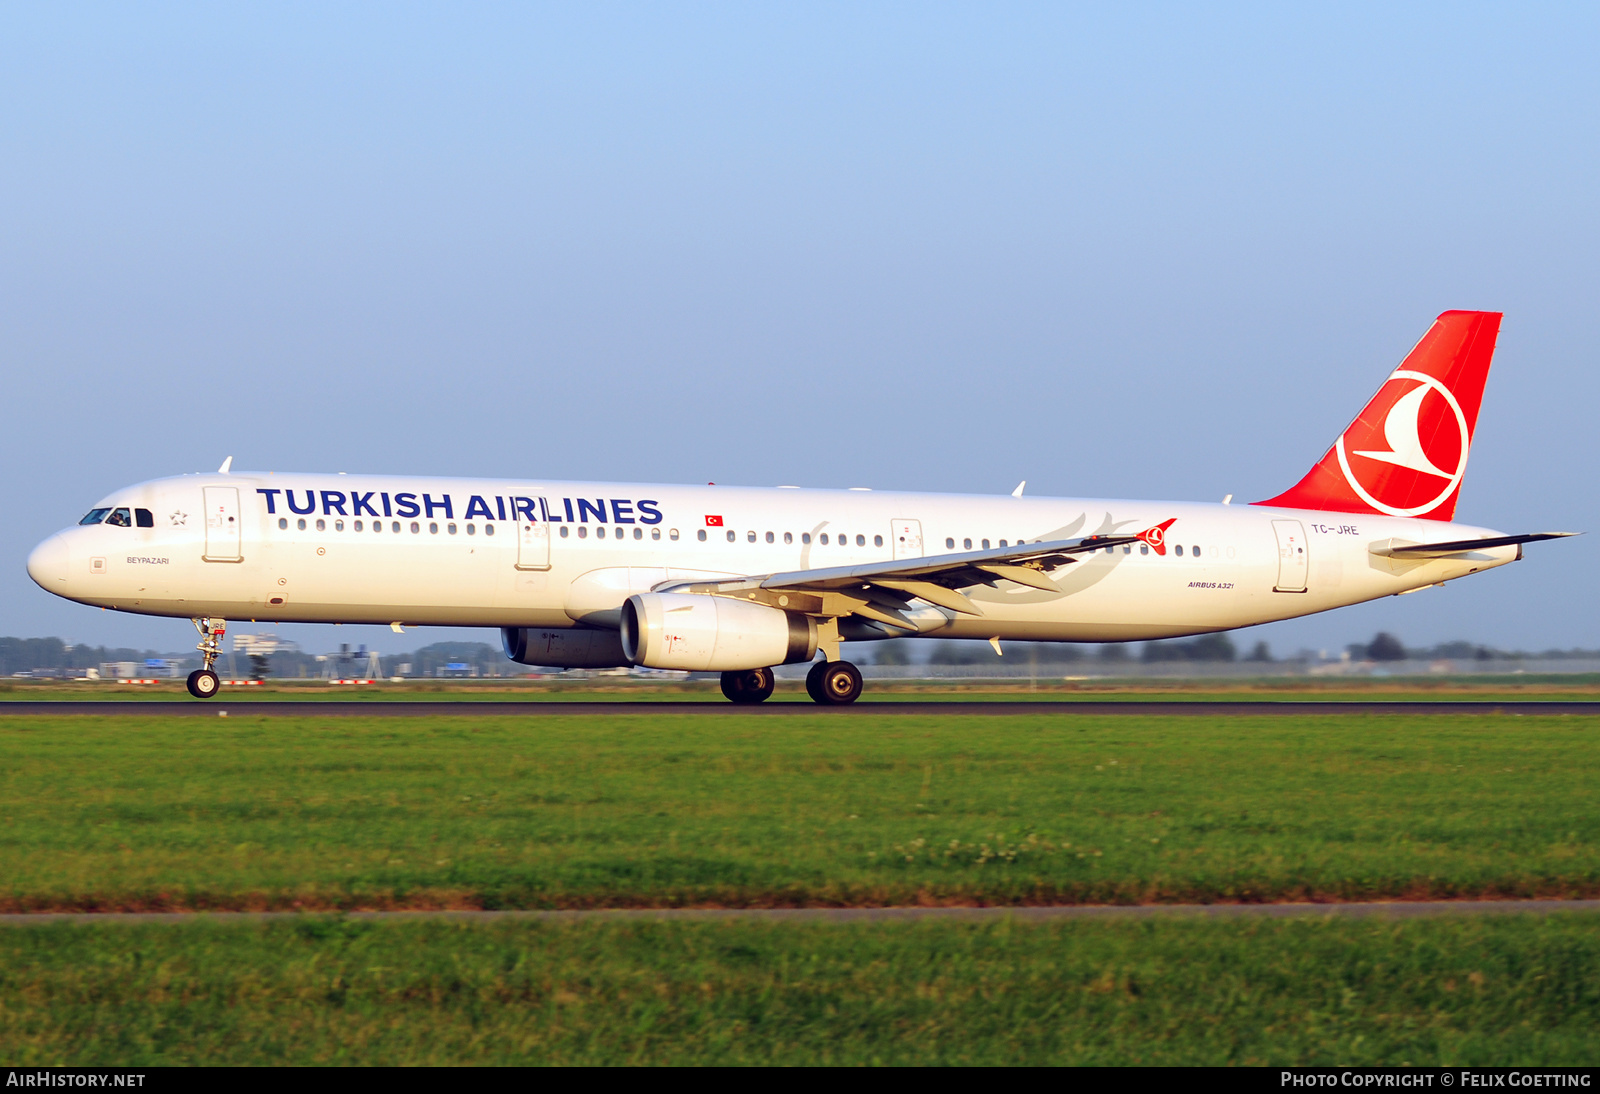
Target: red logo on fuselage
pixel 1156 537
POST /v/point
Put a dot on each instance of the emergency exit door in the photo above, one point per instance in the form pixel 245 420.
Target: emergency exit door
pixel 222 524
pixel 1292 559
pixel 906 536
pixel 533 538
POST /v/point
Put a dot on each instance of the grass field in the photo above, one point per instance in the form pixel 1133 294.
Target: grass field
pixel 832 808
pixel 669 809
pixel 1501 990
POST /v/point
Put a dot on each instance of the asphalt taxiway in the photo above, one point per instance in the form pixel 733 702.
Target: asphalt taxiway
pixel 295 708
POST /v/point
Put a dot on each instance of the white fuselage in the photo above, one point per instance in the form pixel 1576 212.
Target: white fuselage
pixel 523 553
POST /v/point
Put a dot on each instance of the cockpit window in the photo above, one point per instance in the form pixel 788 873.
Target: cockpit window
pixel 144 518
pixel 94 516
pixel 121 518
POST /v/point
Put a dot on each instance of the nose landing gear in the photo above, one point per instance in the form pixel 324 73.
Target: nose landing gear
pixel 203 683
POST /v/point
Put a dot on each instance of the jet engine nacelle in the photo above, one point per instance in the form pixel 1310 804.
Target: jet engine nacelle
pixel 563 647
pixel 713 633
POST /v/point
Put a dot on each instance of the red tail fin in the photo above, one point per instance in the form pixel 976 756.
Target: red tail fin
pixel 1406 453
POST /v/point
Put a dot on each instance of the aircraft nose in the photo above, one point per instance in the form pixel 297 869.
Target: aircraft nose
pixel 47 565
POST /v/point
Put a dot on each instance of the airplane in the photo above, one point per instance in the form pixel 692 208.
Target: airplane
pixel 737 580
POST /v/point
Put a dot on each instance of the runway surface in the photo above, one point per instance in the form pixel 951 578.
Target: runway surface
pixel 1395 910
pixel 245 708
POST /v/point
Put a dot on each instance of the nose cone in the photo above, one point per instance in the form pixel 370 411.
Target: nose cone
pixel 47 565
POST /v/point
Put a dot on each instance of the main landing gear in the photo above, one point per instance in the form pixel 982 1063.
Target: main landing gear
pixel 748 685
pixel 834 683
pixel 203 683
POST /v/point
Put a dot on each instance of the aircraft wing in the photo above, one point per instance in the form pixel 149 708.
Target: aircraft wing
pixel 879 590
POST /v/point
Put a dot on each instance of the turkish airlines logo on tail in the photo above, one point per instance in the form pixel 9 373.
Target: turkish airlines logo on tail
pixel 1414 459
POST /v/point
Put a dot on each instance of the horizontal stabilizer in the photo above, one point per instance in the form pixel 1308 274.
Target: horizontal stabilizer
pixel 1460 546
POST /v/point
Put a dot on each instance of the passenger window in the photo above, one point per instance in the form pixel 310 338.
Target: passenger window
pixel 300 524
pixel 322 525
pixel 824 539
pixel 771 538
pixel 283 522
pixel 144 518
pixel 94 516
pixel 950 544
pixel 702 535
pixel 805 537
pixel 877 541
pixel 563 531
pixel 338 526
pixel 861 541
pixel 966 544
pixel 121 518
pixel 788 537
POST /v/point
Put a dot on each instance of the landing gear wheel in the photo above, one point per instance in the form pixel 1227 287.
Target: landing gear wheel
pixel 748 685
pixel 814 682
pixel 203 683
pixel 837 683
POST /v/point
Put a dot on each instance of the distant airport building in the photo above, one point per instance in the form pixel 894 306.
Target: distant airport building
pixel 263 645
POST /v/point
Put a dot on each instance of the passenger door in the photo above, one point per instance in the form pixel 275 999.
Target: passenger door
pixel 906 536
pixel 222 524
pixel 533 538
pixel 1292 559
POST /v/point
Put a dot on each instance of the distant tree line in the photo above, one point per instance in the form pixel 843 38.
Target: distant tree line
pixel 53 656
pixel 32 654
pixel 1383 648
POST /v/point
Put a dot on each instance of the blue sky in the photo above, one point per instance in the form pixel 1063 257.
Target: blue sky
pixel 1119 251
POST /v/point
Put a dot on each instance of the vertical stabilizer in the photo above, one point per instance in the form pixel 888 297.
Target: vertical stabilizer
pixel 1406 453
